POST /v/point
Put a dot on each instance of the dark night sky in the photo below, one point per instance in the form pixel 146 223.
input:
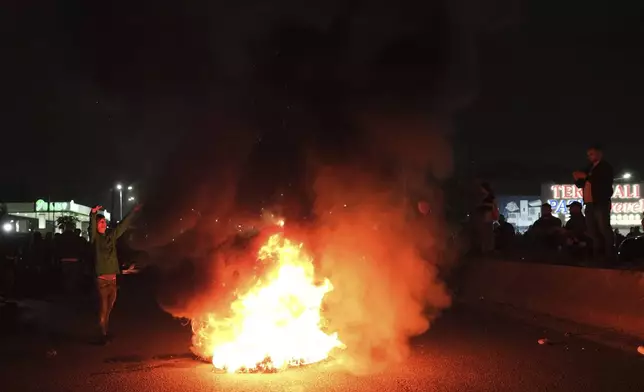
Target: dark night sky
pixel 97 92
pixel 569 75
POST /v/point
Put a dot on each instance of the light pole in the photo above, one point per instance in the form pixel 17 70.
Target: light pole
pixel 120 188
pixel 130 198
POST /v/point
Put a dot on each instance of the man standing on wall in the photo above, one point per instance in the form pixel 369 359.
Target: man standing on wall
pixel 597 185
pixel 106 262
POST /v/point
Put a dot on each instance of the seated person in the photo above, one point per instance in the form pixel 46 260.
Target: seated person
pixel 619 238
pixel 634 232
pixel 632 248
pixel 504 234
pixel 575 229
pixel 546 231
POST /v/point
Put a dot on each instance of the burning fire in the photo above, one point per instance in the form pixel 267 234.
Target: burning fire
pixel 275 324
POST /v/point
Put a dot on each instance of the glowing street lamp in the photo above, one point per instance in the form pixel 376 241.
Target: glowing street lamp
pixel 624 176
pixel 121 188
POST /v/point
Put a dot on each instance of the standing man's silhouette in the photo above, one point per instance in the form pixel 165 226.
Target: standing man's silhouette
pixel 597 184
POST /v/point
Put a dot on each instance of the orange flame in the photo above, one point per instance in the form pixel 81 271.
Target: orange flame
pixel 277 323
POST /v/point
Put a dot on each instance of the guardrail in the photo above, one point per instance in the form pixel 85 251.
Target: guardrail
pixel 605 298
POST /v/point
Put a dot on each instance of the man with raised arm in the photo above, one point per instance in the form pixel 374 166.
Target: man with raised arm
pixel 107 266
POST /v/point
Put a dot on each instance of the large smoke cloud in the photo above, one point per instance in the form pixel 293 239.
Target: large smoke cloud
pixel 353 105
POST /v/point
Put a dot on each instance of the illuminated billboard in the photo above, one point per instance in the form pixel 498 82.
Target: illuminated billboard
pixel 627 204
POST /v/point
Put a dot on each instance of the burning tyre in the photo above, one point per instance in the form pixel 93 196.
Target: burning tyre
pixel 274 324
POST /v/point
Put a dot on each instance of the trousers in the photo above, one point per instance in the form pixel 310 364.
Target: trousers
pixel 599 228
pixel 107 296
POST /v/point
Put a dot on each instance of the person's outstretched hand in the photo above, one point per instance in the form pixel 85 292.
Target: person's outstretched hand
pixel 96 209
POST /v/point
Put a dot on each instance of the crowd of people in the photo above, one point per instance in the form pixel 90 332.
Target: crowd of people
pixel 50 263
pixel 549 233
pixel 66 265
pixel 586 235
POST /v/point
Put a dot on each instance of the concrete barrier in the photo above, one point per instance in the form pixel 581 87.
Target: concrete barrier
pixel 601 298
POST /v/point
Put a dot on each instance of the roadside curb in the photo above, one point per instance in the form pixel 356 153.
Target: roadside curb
pixel 607 337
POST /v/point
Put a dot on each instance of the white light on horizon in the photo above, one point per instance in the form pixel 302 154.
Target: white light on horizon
pixel 626 176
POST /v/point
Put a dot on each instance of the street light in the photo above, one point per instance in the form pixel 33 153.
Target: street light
pixel 120 188
pixel 624 176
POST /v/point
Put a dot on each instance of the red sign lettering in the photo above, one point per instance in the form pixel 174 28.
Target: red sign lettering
pixel 628 208
pixel 639 207
pixel 626 191
pixel 620 192
pixel 579 193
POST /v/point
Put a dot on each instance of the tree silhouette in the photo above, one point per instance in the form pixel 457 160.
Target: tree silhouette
pixel 66 222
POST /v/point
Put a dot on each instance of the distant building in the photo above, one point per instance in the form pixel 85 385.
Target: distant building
pixel 41 216
pixel 520 210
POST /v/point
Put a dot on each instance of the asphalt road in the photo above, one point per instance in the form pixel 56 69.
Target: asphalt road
pixel 466 350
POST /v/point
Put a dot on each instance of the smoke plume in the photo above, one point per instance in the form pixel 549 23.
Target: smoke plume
pixel 384 270
pixel 368 135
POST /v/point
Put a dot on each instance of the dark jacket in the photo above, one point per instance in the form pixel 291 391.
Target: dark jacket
pixel 105 245
pixel 601 182
pixel 576 225
pixel 546 224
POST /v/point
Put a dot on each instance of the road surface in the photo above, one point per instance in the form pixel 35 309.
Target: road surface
pixel 465 350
